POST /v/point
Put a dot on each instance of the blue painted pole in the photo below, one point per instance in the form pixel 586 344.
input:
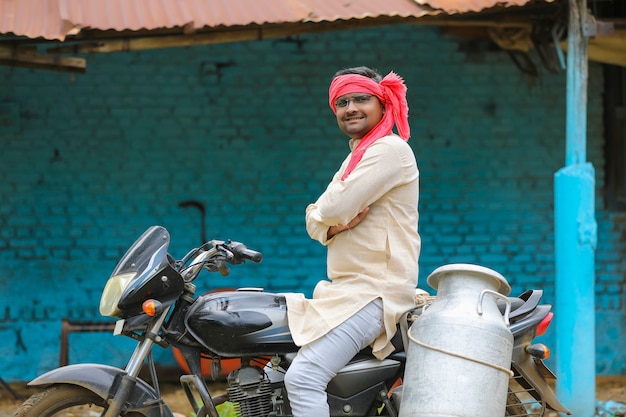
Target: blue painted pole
pixel 575 240
pixel 576 236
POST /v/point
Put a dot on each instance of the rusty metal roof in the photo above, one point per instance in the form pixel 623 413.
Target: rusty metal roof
pixel 464 6
pixel 58 19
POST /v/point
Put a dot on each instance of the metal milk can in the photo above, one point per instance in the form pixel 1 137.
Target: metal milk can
pixel 460 348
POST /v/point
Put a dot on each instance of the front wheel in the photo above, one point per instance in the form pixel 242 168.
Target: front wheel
pixel 65 401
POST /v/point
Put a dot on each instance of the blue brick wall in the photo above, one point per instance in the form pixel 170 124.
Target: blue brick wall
pixel 244 129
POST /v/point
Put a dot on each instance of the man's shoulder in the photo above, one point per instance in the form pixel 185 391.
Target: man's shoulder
pixel 393 138
pixel 395 150
pixel 393 141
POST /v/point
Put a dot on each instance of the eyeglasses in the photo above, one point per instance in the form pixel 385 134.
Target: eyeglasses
pixel 344 102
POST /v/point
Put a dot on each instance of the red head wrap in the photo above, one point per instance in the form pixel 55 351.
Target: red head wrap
pixel 391 92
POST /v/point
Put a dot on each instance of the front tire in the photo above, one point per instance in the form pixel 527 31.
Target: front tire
pixel 63 401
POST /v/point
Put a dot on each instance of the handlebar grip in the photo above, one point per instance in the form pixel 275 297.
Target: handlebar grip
pixel 241 251
pixel 253 255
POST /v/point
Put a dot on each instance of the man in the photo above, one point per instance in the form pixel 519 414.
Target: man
pixel 367 218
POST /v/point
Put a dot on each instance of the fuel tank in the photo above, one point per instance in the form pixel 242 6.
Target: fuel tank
pixel 241 323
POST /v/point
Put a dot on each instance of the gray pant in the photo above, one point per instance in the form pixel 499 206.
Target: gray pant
pixel 318 362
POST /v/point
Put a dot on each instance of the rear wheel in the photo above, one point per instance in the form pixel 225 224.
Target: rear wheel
pixel 65 401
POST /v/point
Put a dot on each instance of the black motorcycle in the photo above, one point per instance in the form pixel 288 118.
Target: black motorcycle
pixel 153 295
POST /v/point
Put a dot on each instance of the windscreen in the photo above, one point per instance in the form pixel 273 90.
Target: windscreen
pixel 147 254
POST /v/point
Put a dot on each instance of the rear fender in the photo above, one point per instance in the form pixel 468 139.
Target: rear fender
pixel 103 380
pixel 535 373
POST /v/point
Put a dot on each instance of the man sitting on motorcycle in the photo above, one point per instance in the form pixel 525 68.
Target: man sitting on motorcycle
pixel 367 218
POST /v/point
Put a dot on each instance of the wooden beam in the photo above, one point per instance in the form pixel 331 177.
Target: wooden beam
pixel 251 33
pixel 224 35
pixel 29 58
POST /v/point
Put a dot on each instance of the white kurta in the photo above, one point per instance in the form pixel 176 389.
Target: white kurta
pixel 377 258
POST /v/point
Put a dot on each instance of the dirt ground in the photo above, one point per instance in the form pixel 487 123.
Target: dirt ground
pixel 611 388
pixel 607 388
pixel 173 395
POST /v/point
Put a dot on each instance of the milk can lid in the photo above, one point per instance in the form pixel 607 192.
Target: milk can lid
pixel 433 279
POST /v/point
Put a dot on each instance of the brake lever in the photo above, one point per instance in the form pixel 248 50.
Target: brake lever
pixel 223 268
pixel 228 254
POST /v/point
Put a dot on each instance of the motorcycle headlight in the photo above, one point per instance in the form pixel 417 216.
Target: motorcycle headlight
pixel 112 293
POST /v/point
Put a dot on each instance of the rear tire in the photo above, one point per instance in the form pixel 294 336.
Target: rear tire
pixel 63 401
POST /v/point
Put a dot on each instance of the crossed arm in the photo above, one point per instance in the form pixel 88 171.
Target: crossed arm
pixel 334 230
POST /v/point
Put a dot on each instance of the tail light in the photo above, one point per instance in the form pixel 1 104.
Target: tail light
pixel 543 326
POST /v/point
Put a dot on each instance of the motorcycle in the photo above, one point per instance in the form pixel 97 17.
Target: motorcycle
pixel 153 296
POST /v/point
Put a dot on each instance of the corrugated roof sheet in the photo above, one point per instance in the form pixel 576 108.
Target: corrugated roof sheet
pixel 56 19
pixel 465 6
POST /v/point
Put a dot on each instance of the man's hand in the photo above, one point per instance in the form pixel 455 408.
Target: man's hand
pixel 334 230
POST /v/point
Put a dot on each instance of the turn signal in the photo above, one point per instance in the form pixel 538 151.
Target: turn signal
pixel 538 350
pixel 152 307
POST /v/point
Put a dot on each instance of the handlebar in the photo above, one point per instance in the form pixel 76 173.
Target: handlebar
pixel 214 255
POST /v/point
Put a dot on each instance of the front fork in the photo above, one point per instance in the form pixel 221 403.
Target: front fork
pixel 136 362
pixel 122 394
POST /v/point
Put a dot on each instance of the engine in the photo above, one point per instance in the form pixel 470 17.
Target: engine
pixel 250 391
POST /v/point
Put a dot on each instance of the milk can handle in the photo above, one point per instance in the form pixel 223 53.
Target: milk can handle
pixel 507 311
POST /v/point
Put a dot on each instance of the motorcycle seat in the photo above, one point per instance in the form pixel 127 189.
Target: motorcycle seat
pixel 522 305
